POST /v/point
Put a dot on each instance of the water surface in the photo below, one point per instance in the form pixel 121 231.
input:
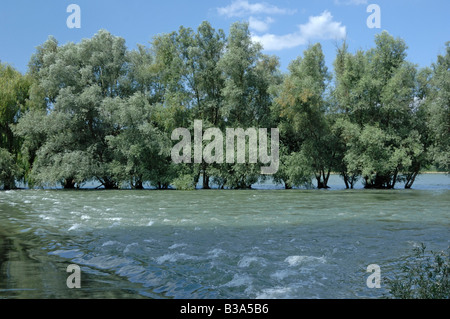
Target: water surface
pixel 263 243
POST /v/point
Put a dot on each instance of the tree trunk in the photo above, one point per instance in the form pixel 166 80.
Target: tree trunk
pixel 325 179
pixel 352 181
pixel 410 180
pixel 138 185
pixel 69 183
pixel 322 180
pixel 110 185
pixel 394 180
pixel 205 177
pixel 345 177
pixel 287 186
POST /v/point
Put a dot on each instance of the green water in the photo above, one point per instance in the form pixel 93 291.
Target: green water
pixel 215 244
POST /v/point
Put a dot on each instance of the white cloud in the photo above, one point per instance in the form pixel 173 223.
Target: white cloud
pixel 349 2
pixel 320 27
pixel 240 8
pixel 260 25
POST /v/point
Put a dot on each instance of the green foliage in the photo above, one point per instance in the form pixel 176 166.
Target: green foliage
pixel 184 182
pixel 424 275
pixel 303 109
pixel 438 112
pixel 295 170
pixel 379 99
pixel 14 94
pixel 140 147
pixel 96 111
pixel 9 170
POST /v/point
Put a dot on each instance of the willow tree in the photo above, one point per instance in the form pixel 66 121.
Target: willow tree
pixel 139 147
pixel 438 114
pixel 388 112
pixel 381 136
pixel 14 93
pixel 248 77
pixel 303 109
pixel 75 80
pixel 349 70
pixel 200 53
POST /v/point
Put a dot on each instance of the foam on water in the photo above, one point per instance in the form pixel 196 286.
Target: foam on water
pixel 75 227
pixel 282 274
pixel 110 243
pixel 130 247
pixel 46 217
pixel 216 252
pixel 175 246
pixel 246 261
pixel 299 260
pixel 240 280
pixel 277 293
pixel 174 258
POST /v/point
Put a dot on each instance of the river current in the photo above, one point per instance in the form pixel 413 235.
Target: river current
pixel 262 243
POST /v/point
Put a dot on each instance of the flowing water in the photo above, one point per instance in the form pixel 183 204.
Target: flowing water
pixel 264 243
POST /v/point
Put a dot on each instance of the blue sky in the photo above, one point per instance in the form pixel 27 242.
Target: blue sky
pixel 285 27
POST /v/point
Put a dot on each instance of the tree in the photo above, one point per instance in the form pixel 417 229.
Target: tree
pixel 380 135
pixel 303 107
pixel 94 111
pixel 14 93
pixel 248 78
pixel 438 114
pixel 9 171
pixel 140 147
pixel 200 54
pixel 349 70
pixel 76 79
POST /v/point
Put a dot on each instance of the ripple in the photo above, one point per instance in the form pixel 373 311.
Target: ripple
pixel 240 280
pixel 299 260
pixel 174 258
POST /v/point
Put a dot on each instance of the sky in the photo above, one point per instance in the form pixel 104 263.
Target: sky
pixel 285 28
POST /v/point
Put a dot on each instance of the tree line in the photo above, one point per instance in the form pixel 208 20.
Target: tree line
pixel 95 111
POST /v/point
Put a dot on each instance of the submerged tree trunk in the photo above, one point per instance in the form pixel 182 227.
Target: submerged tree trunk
pixel 394 180
pixel 8 185
pixel 205 180
pixel 69 183
pixel 410 179
pixel 381 182
pixel 345 177
pixel 322 179
pixel 352 180
pixel 109 184
pixel 138 185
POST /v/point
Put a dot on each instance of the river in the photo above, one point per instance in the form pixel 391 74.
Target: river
pixel 262 243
